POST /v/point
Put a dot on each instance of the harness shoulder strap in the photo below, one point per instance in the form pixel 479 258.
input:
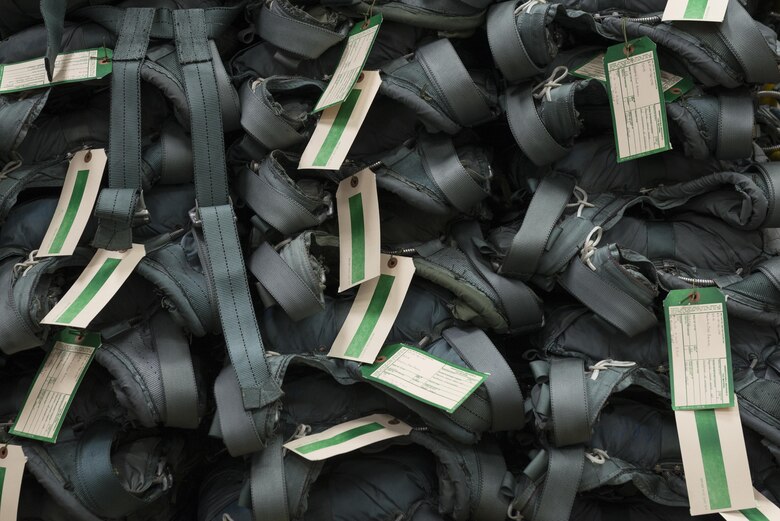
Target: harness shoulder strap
pixel 506 45
pixel 740 33
pixel 286 287
pixel 506 399
pixel 53 12
pixel 441 163
pixel 735 126
pixel 276 23
pixel 528 129
pixel 117 205
pixel 564 473
pixel 528 245
pixel 96 483
pixel 569 402
pixel 521 305
pixel 606 300
pixel 450 78
pixel 262 122
pixel 267 483
pixel 272 196
pixel 178 376
pixel 215 221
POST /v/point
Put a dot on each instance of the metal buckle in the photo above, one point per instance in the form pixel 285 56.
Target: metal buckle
pixel 141 215
pixel 194 214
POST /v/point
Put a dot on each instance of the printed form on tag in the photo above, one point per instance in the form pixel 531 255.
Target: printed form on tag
pixel 695 10
pixel 79 193
pixel 12 462
pixel 634 88
pixel 674 86
pixel 339 125
pixel 348 437
pixel 374 311
pixel 55 386
pixel 425 377
pixel 697 332
pixel 89 64
pixel 359 43
pixel 715 460
pixel 359 232
pixel 764 510
pixel 95 287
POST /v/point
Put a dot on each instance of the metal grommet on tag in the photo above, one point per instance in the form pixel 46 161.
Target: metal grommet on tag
pixel 88 156
pixel 693 298
pixel 676 91
pixel 392 262
pixel 360 78
pixel 394 421
pixel 4 451
pixel 628 50
pixel 354 181
pixel 380 359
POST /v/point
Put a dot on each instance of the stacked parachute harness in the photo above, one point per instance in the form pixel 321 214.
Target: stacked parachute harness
pixel 541 258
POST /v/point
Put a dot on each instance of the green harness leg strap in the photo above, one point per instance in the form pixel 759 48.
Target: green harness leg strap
pixel 118 206
pixel 214 220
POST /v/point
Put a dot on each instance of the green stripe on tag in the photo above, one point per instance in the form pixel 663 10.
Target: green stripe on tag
pixel 754 514
pixel 340 438
pixel 2 479
pixel 337 129
pixel 695 9
pixel 91 289
pixel 712 459
pixel 70 212
pixel 358 233
pixel 374 310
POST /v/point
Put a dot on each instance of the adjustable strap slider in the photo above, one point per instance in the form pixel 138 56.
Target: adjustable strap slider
pixel 194 214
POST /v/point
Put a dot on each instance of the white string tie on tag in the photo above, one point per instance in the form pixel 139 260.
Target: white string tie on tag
pixel 300 431
pixel 606 364
pixel 582 200
pixel 545 87
pixel 526 6
pixel 226 517
pixel 25 265
pixel 597 456
pixel 589 248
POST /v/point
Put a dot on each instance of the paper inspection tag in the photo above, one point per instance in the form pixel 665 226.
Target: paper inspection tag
pixel 674 86
pixel 55 386
pixel 359 232
pixel 695 10
pixel 79 193
pixel 339 125
pixel 717 475
pixel 89 64
pixel 374 310
pixel 99 281
pixel 359 43
pixel 697 334
pixel 425 377
pixel 635 94
pixel 348 436
pixel 765 510
pixel 12 462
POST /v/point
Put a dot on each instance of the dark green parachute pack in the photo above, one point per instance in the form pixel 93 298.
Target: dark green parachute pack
pixel 541 257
